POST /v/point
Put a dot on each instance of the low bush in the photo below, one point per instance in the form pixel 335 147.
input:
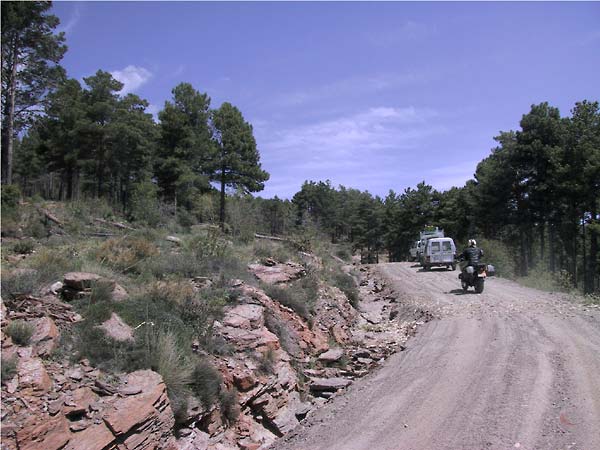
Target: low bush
pixel 540 278
pixel 102 291
pixel 347 284
pixel 20 332
pixel 230 408
pixel 300 295
pixel 206 383
pixel 8 369
pixel 24 247
pixel 52 263
pixel 20 283
pixel 11 194
pixel 126 254
pixel 167 358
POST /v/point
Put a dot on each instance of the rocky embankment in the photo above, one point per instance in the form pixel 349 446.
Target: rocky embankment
pixel 279 366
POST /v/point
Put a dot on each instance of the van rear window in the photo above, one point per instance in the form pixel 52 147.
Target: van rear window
pixel 435 247
pixel 446 246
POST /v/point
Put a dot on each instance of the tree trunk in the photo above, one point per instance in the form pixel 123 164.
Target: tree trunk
pixel 8 141
pixel 222 205
pixel 590 284
pixel 552 248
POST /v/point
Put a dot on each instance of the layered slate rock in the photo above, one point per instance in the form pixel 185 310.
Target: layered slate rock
pixel 277 273
pixel 143 420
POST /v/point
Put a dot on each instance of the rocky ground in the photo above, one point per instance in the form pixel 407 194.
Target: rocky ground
pixel 512 367
pixel 282 368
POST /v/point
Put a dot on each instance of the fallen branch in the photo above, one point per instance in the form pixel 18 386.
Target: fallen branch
pixel 271 238
pixel 119 225
pixel 51 217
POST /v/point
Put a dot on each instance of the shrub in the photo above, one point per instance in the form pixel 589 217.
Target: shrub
pixel 206 383
pixel 167 358
pixel 126 254
pixel 52 264
pixel 294 297
pixel 344 253
pixel 230 408
pixel 9 369
pixel 102 291
pixel 10 213
pixel 143 203
pixel 24 246
pixel 182 264
pixel 346 283
pixel 499 255
pixel 36 226
pixel 20 332
pixel 21 283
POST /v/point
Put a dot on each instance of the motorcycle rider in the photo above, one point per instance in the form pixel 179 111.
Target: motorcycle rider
pixel 471 254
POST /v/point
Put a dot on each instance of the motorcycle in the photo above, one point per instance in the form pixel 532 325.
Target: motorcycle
pixel 475 276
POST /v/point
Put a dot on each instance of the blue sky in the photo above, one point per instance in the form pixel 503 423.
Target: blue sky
pixel 375 96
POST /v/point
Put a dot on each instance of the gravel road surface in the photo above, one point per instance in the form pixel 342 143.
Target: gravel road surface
pixel 512 367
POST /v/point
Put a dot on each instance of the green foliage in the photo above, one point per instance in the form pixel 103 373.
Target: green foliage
pixel 30 56
pixel 347 284
pixel 24 246
pixel 20 332
pixel 500 256
pixel 237 162
pixel 8 369
pixel 125 254
pixel 206 383
pixel 230 408
pixel 101 291
pixel 301 295
pixel 20 283
pixel 143 203
pixel 11 194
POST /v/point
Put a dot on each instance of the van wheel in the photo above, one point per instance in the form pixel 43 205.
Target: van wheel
pixel 453 266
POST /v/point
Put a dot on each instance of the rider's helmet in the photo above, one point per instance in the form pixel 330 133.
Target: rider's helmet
pixel 472 243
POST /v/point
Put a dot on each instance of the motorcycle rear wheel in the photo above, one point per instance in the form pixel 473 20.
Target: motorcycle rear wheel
pixel 479 285
pixel 464 286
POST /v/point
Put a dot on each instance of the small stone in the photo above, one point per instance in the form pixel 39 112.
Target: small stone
pixel 185 432
pixel 75 374
pixel 130 390
pixel 79 426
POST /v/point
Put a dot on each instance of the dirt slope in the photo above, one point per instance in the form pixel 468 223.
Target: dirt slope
pixel 510 368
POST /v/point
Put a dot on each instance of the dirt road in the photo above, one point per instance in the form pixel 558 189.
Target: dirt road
pixel 510 368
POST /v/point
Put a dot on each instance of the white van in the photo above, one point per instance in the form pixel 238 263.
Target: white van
pixel 439 252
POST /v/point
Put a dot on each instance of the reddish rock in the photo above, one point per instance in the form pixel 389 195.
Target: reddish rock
pixel 45 336
pixel 80 280
pixel 119 294
pixel 146 418
pixel 32 373
pixel 244 316
pixel 333 355
pixel 116 329
pixel 279 273
pixel 79 402
pixel 244 381
pixel 47 434
pixel 329 384
pixel 96 437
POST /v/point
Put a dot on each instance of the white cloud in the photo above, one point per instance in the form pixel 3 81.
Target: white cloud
pixel 359 85
pixel 73 20
pixel 132 77
pixel 370 148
